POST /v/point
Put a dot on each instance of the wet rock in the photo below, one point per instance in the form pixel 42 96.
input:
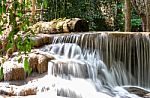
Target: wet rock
pixel 137 91
pixel 33 61
pixel 13 90
pixel 42 64
pixel 46 38
pixel 48 55
pixel 9 91
pixel 38 41
pixel 28 91
pixel 147 95
pixel 38 61
pixel 34 86
pixel 68 67
pixel 13 71
pixel 42 39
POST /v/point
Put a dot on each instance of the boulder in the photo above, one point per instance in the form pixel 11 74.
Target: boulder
pixel 42 64
pixel 138 91
pixel 39 61
pixel 13 71
pixel 26 91
pixel 33 61
pixel 38 41
pixel 42 39
pixel 147 95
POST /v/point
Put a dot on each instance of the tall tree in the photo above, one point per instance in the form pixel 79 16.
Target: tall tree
pixel 147 2
pixel 127 16
pixel 140 7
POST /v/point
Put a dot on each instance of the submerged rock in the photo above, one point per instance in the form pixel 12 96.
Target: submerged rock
pixel 68 67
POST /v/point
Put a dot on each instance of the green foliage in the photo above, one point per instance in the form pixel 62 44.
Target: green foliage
pixel 86 9
pixel 24 44
pixel 136 22
pixel 119 17
pixel 14 18
pixel 12 15
pixel 27 67
pixel 1 73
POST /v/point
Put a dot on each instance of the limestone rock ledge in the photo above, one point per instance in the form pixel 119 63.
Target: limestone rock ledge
pixel 39 61
pixel 13 71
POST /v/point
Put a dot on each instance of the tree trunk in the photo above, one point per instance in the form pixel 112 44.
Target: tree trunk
pixel 127 16
pixel 140 7
pixel 144 22
pixel 33 9
pixel 148 15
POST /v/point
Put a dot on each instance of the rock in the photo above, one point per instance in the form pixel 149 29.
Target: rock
pixel 147 95
pixel 48 55
pixel 28 91
pixel 9 91
pixel 46 39
pixel 42 64
pixel 137 91
pixel 68 67
pixel 33 61
pixel 38 41
pixel 13 71
pixel 42 39
pixel 34 86
pixel 38 61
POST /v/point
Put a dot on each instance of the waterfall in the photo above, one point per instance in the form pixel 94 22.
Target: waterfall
pixel 106 61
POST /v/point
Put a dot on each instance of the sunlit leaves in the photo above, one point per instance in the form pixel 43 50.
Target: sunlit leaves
pixel 27 67
pixel 1 73
pixel 24 44
pixel 14 25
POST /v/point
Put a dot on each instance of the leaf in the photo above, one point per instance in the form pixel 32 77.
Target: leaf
pixel 27 67
pixel 0 10
pixel 0 30
pixel 45 3
pixel 1 73
pixel 4 9
pixel 19 14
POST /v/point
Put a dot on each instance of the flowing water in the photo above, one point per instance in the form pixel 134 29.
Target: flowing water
pixel 100 64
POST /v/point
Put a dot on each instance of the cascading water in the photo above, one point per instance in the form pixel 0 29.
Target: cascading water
pixel 96 65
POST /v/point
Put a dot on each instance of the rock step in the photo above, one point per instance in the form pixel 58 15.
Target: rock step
pixel 68 67
pixel 13 71
pixel 42 39
pixel 38 61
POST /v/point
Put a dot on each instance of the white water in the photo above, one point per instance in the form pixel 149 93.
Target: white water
pixel 80 71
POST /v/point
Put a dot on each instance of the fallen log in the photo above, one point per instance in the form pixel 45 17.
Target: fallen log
pixel 61 26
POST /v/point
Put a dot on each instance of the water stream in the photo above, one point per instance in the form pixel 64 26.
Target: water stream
pixel 100 64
